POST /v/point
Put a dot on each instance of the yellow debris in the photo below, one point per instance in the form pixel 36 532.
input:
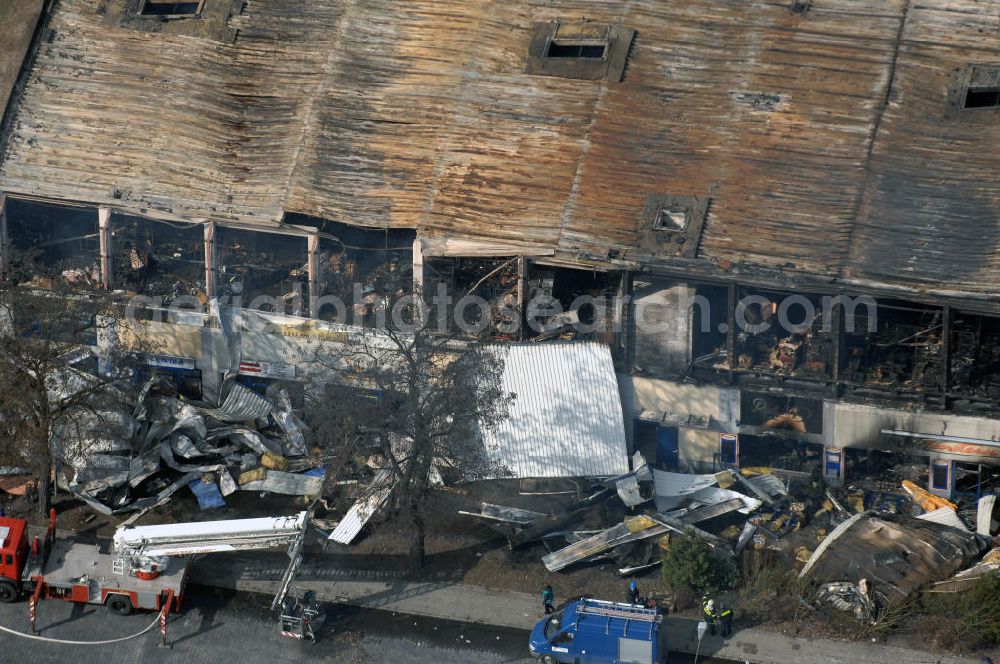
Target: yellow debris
pixel 856 502
pixel 273 461
pixel 820 535
pixel 993 556
pixel 926 499
pixel 828 505
pixel 251 476
pixel 732 532
pixel 753 471
pixel 725 479
pixel 637 523
pixel 802 554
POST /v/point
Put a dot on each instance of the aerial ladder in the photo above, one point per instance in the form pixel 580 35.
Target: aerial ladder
pixel 146 568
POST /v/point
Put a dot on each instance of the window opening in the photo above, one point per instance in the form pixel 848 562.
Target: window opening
pixel 559 49
pixel 983 89
pixel 669 220
pixel 169 8
pixel 982 98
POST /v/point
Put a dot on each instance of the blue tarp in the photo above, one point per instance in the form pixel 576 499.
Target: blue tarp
pixel 208 494
pixel 319 471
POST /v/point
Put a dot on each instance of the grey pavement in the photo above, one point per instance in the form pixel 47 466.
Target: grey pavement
pixel 520 611
pixel 216 629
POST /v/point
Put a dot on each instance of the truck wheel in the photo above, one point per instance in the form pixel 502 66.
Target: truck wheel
pixel 549 659
pixel 8 592
pixel 120 604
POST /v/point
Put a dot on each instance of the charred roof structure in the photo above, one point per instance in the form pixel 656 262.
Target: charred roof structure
pixel 842 144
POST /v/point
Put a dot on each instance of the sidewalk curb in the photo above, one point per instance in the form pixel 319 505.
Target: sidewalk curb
pixel 513 610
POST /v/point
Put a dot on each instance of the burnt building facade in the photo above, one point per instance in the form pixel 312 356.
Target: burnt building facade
pixel 702 172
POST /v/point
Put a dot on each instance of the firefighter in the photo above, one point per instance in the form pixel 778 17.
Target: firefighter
pixel 633 593
pixel 726 618
pixel 711 616
pixel 548 597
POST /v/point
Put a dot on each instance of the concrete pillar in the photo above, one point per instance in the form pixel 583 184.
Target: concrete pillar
pixel 522 293
pixel 4 257
pixel 419 296
pixel 418 268
pixel 104 232
pixel 210 260
pixel 312 268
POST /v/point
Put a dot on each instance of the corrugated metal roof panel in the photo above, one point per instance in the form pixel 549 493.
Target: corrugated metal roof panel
pixel 241 405
pixel 567 418
pixel 945 516
pixel 984 515
pixel 365 507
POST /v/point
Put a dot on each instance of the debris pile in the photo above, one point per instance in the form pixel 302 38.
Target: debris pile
pixel 117 460
pixel 865 548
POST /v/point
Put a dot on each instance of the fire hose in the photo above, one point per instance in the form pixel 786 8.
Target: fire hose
pixel 151 626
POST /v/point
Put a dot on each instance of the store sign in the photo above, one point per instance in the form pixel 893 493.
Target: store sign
pixel 169 362
pixel 961 449
pixel 267 369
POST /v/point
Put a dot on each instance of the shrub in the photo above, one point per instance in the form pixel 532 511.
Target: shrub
pixel 691 563
pixel 970 619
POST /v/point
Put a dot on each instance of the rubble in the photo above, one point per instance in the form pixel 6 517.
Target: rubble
pixel 507 515
pixel 990 564
pixel 896 554
pixel 852 597
pixel 631 530
pixel 120 458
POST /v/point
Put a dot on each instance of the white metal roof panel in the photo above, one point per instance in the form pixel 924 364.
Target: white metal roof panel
pixel 364 508
pixel 946 517
pixel 567 418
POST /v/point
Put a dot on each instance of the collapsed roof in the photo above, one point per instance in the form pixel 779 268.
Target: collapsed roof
pixel 831 141
pixel 898 554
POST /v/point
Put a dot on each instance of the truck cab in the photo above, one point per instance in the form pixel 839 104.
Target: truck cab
pixel 13 557
pixel 590 631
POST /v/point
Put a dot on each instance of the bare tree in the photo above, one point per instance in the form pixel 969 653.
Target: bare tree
pixel 419 402
pixel 49 380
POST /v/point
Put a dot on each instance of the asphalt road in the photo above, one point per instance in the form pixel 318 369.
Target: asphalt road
pixel 218 628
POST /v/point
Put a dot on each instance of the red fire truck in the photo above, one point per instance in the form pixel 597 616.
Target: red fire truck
pixel 144 568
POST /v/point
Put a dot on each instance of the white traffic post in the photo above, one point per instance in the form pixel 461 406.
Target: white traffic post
pixel 702 628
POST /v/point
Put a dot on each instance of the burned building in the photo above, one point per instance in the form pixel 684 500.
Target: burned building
pixel 704 173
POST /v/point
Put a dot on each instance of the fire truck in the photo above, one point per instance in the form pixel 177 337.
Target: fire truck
pixel 145 567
